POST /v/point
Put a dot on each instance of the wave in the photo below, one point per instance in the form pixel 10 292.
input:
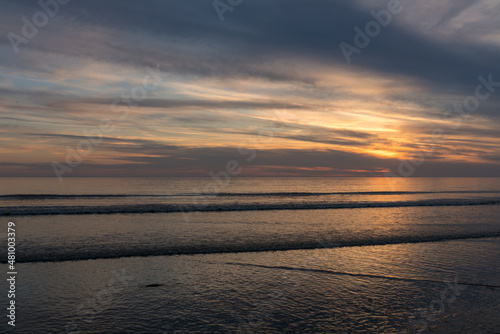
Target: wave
pixel 198 207
pixel 74 196
pixel 108 251
pixel 226 194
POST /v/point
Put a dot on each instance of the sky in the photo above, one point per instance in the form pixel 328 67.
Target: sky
pixel 275 88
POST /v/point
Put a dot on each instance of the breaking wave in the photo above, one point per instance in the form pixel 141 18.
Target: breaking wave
pixel 166 208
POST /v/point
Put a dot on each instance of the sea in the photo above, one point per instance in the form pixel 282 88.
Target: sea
pixel 228 254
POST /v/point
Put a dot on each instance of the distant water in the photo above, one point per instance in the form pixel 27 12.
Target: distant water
pixel 115 217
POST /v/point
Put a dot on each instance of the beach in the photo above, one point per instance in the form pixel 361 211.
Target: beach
pixel 369 289
pixel 369 269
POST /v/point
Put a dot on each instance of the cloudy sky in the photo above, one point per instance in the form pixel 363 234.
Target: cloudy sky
pixel 284 87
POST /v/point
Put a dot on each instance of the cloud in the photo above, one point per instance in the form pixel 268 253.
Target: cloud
pixel 226 83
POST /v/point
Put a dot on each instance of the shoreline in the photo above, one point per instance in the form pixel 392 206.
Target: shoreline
pixel 170 293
